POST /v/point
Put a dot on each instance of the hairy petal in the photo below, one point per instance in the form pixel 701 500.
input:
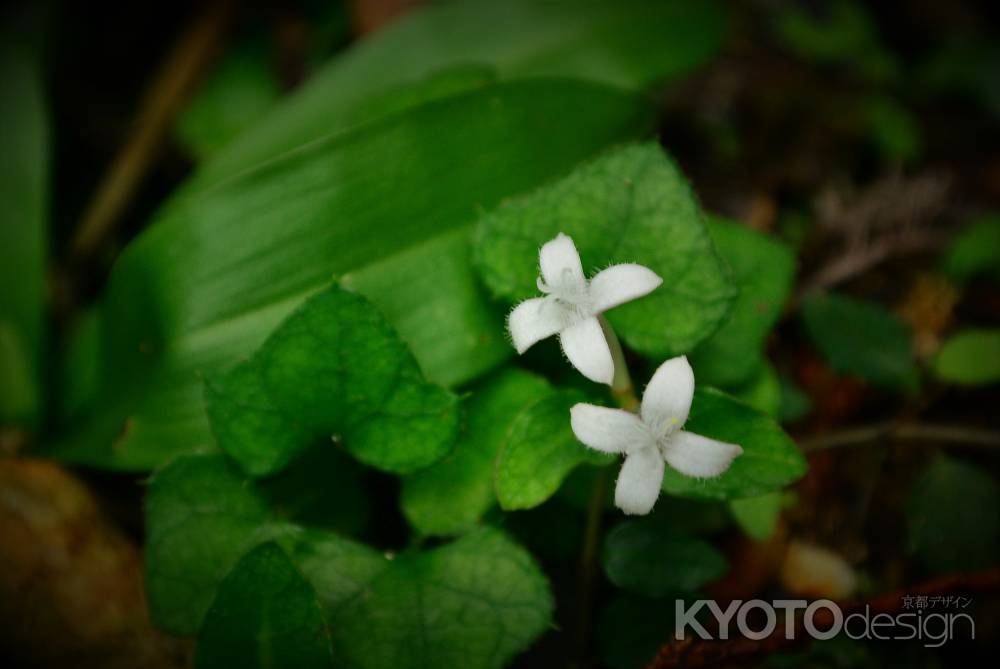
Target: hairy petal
pixel 697 456
pixel 639 482
pixel 534 320
pixel 621 283
pixel 608 430
pixel 559 261
pixel 667 399
pixel 587 349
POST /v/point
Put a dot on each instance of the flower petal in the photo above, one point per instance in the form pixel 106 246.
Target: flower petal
pixel 534 320
pixel 560 261
pixel 608 430
pixel 587 349
pixel 621 283
pixel 697 456
pixel 667 398
pixel 639 482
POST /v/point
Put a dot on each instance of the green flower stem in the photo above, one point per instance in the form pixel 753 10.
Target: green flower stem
pixel 624 393
pixel 621 386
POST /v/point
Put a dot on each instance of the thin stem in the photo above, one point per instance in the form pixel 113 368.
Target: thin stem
pixel 588 566
pixel 624 393
pixel 954 434
pixel 621 386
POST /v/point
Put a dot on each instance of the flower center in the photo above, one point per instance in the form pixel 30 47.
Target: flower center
pixel 663 432
pixel 570 290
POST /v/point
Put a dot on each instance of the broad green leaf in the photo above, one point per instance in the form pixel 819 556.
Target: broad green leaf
pixel 265 615
pixel 336 368
pixel 975 250
pixel 218 270
pixel 953 517
pixel 471 604
pixel 201 518
pixel 862 338
pixel 651 558
pixel 444 83
pixel 758 516
pixel 630 205
pixel 237 92
pixel 762 269
pixel 628 44
pixel 452 495
pixel 24 145
pixel 770 459
pixel 539 451
pixel 762 391
pixel 970 357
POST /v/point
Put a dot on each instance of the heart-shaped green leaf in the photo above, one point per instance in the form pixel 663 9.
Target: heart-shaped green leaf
pixel 650 557
pixel 472 603
pixel 762 269
pixel 539 451
pixel 265 615
pixel 770 459
pixel 451 496
pixel 630 205
pixel 334 367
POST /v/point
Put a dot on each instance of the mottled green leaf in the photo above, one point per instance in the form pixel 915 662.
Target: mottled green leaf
pixel 861 338
pixel 627 44
pixel 758 516
pixel 651 558
pixel 452 495
pixel 472 603
pixel 24 145
pixel 770 459
pixel 762 270
pixel 630 205
pixel 539 451
pixel 975 251
pixel 953 517
pixel 265 615
pixel 201 518
pixel 970 357
pixel 334 367
pixel 219 269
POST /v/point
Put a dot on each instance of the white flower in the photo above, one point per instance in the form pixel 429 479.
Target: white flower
pixel 652 437
pixel 572 304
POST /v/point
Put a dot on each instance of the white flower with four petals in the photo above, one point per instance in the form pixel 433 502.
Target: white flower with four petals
pixel 653 437
pixel 572 306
